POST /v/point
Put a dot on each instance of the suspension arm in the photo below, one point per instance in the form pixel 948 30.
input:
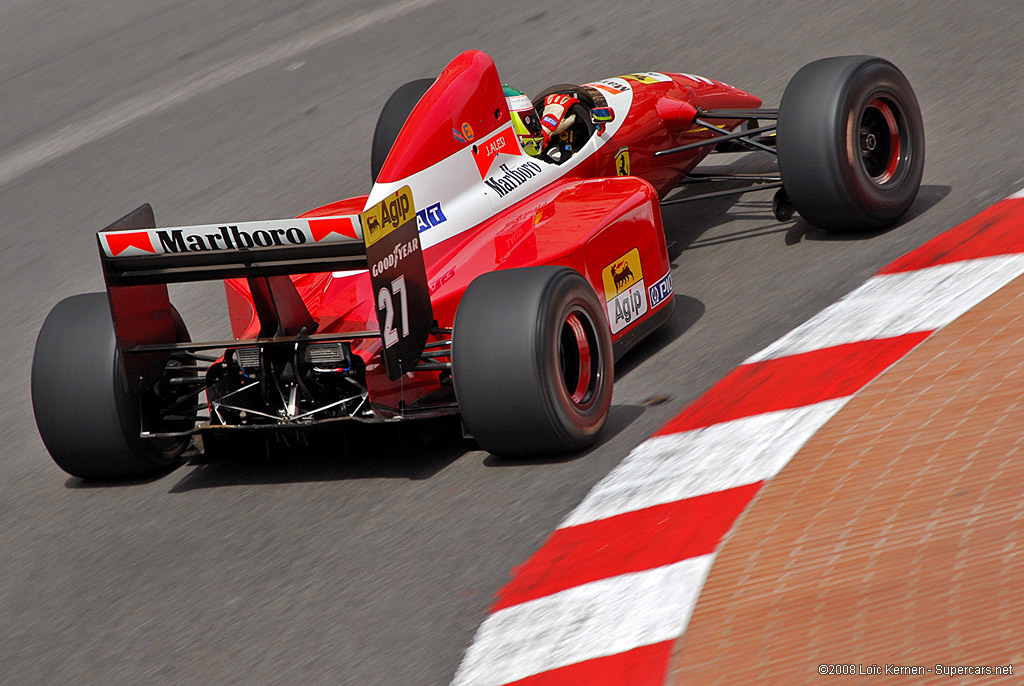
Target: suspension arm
pixel 739 136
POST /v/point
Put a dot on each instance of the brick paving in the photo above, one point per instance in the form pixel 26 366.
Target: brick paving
pixel 894 537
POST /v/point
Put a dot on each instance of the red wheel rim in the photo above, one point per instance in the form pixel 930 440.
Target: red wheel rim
pixel 880 141
pixel 580 359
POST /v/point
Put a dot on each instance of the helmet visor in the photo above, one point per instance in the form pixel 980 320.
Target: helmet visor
pixel 526 124
pixel 527 127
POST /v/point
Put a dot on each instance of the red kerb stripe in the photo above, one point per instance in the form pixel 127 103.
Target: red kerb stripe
pixel 793 381
pixel 995 231
pixel 630 542
pixel 643 666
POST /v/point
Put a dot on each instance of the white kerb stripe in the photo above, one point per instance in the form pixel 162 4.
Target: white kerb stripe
pixel 1017 195
pixel 896 304
pixel 664 469
pixel 593 620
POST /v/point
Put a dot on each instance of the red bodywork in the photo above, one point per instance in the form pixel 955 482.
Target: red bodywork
pixel 586 217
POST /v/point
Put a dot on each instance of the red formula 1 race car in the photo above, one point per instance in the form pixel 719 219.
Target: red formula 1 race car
pixel 478 277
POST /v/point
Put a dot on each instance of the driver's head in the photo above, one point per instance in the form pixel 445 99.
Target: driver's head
pixel 525 121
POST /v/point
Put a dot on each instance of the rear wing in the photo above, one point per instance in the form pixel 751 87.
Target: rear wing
pixel 139 260
pixel 134 251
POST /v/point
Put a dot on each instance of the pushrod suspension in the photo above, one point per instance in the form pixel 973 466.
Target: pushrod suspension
pixel 739 135
pixel 719 194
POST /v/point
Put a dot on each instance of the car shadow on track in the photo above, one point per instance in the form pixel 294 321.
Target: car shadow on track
pixel 620 417
pixel 686 223
pixel 927 198
pixel 686 313
pixel 417 450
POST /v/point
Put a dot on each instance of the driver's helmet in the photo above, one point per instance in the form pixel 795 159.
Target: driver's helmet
pixel 525 121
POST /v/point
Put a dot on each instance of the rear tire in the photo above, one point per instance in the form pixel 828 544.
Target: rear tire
pixel 391 120
pixel 532 361
pixel 850 143
pixel 87 419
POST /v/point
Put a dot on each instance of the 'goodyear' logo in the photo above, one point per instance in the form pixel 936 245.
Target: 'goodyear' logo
pixel 387 215
pixel 621 274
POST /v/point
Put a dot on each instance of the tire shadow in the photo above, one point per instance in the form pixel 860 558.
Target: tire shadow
pixel 74 483
pixel 620 417
pixel 927 198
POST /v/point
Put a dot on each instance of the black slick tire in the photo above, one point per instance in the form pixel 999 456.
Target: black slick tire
pixel 850 143
pixel 532 362
pixel 86 418
pixel 391 120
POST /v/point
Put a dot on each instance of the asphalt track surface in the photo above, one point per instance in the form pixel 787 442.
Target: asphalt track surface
pixel 376 565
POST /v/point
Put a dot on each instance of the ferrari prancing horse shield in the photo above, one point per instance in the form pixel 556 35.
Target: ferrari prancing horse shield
pixel 622 162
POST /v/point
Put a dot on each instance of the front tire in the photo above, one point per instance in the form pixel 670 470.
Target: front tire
pixel 850 143
pixel 532 361
pixel 85 415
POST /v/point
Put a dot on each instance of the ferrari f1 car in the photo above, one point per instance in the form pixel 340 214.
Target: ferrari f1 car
pixel 473 279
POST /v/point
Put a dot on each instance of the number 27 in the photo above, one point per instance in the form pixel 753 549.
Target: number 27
pixel 385 302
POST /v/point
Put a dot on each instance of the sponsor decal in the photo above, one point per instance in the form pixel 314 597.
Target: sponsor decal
pixel 442 280
pixel 463 134
pixel 512 177
pixel 117 243
pixel 430 217
pixel 660 291
pixel 240 236
pixel 622 273
pixel 506 241
pixel 399 280
pixel 624 290
pixel 228 238
pixel 321 228
pixel 614 85
pixel 622 167
pixel 700 80
pixel 503 142
pixel 392 259
pixel 387 215
pixel 648 77
pixel 519 103
pixel 551 120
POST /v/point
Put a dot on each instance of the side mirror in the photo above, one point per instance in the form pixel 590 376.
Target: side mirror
pixel 601 116
pixel 677 113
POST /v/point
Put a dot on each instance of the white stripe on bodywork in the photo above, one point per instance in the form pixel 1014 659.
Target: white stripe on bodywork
pixel 664 469
pixel 467 200
pixel 585 622
pixel 891 305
